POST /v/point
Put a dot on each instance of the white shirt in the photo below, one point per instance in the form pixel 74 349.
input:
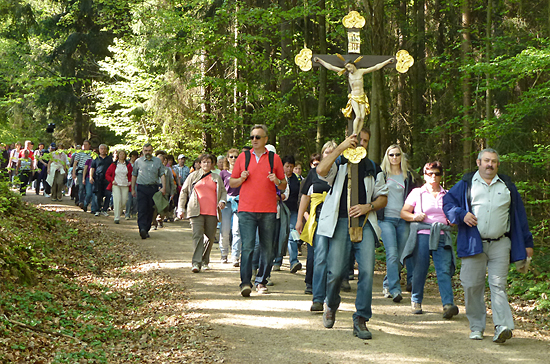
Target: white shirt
pixel 121 175
pixel 491 206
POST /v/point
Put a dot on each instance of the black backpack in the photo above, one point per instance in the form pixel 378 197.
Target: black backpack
pixel 271 157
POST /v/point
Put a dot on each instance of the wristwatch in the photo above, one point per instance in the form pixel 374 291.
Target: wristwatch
pixel 371 206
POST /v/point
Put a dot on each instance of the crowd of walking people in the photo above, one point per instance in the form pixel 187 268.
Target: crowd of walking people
pixel 264 210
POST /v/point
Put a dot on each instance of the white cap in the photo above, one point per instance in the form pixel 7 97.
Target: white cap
pixel 271 148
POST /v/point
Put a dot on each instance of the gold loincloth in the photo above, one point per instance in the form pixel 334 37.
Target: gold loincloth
pixel 361 99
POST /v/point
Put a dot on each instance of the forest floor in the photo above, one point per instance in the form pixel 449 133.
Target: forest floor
pixel 279 328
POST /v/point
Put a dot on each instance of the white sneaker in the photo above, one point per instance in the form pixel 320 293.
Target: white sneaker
pixel 104 213
pixel 205 267
pixel 97 213
pixel 476 335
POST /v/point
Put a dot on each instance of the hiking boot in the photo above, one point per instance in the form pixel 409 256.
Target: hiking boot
pixel 346 286
pixel 308 290
pixel 316 307
pixel 449 311
pixel 296 267
pixel 329 317
pixel 397 297
pixel 360 328
pixel 245 291
pixel 416 308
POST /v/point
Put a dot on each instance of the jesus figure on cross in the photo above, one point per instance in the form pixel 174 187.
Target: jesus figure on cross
pixel 357 99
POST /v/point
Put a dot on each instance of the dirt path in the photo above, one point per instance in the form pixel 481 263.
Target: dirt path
pixel 279 328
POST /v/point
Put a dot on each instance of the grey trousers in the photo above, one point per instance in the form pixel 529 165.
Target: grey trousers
pixel 203 225
pixel 495 259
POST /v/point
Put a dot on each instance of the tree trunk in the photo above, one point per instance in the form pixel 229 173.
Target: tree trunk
pixel 206 91
pixel 377 121
pixel 466 47
pixel 488 52
pixel 321 108
pixel 286 82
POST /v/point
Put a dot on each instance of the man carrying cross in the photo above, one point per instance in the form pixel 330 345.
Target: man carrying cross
pixel 357 99
pixel 334 224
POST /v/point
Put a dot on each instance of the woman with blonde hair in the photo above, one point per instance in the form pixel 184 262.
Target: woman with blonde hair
pixel 395 230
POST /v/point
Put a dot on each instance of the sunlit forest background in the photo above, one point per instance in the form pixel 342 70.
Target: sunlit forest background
pixel 194 75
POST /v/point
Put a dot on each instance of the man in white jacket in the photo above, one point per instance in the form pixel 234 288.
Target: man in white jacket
pixel 333 223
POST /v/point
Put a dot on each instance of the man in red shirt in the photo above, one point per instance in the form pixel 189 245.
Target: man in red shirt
pixel 257 207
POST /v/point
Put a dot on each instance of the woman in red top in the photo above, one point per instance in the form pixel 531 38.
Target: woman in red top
pixel 119 175
pixel 202 197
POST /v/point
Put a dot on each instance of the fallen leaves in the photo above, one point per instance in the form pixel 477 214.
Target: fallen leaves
pixel 100 302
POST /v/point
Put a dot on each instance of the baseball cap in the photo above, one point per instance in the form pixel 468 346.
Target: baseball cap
pixel 181 156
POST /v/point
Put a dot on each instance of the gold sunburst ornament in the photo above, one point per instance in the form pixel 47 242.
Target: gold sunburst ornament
pixel 353 20
pixel 303 59
pixel 404 61
pixel 354 155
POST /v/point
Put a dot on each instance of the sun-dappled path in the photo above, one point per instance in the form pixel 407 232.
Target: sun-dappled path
pixel 279 328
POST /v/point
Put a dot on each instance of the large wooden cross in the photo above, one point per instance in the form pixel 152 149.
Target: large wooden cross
pixel 355 66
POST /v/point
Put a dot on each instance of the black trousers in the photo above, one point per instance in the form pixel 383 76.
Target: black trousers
pixel 145 205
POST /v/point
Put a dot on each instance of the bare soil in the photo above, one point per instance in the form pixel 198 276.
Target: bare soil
pixel 279 327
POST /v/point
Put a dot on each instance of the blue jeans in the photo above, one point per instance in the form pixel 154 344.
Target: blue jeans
pixel 320 249
pixel 339 247
pixel 292 244
pixel 90 196
pixel 81 187
pixel 249 222
pixel 395 232
pixel 443 260
pixel 236 244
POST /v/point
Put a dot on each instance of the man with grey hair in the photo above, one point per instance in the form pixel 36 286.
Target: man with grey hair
pixel 145 183
pixel 492 232
pixel 259 174
pixel 98 169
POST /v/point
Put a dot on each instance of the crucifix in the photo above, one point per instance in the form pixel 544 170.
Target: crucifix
pixel 354 66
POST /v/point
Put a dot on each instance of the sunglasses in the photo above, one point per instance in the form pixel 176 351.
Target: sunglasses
pixel 257 137
pixel 232 156
pixel 395 155
pixel 432 174
pixel 315 164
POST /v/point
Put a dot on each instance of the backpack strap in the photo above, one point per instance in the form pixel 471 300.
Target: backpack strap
pixel 246 159
pixel 271 157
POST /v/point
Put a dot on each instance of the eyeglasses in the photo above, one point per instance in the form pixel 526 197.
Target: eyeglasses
pixel 232 156
pixel 395 155
pixel 257 137
pixel 432 174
